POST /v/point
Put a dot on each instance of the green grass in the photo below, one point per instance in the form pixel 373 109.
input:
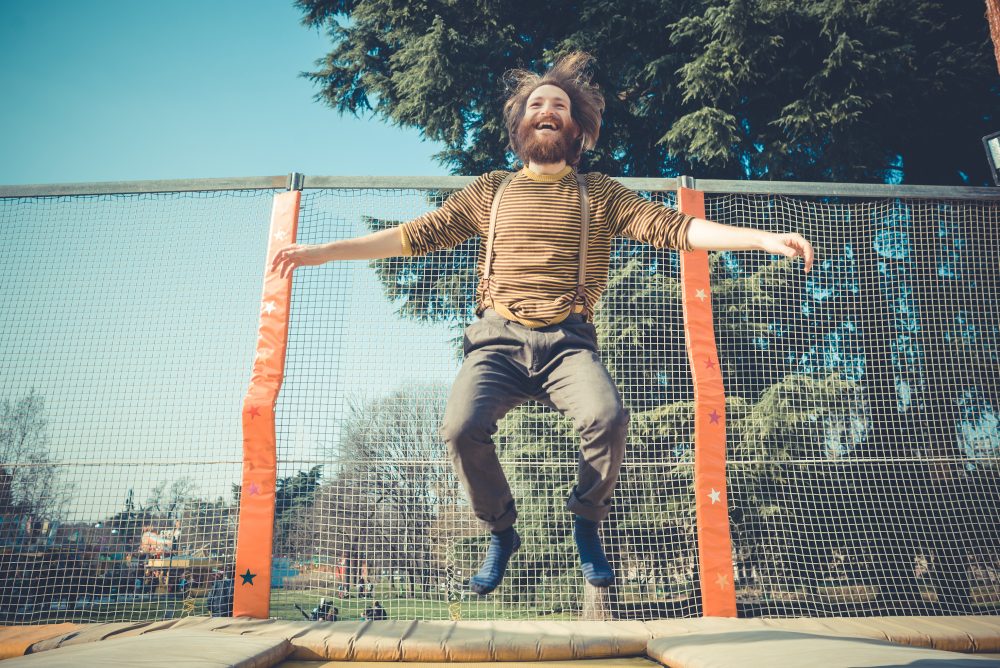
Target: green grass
pixel 152 610
pixel 400 606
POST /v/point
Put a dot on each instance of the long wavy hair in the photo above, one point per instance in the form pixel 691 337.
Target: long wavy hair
pixel 570 74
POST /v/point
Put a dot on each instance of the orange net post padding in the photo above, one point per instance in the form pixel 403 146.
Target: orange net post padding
pixel 252 585
pixel 715 546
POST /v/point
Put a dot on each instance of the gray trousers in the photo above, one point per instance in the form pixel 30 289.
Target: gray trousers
pixel 507 364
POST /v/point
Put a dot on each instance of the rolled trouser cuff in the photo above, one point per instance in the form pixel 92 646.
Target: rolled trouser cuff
pixel 501 523
pixel 586 510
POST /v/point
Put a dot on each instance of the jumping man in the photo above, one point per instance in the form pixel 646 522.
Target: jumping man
pixel 540 278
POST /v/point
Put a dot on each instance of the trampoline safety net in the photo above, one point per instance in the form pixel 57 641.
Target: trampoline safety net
pixel 861 416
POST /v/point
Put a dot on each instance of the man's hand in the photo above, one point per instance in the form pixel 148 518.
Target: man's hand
pixel 707 235
pixel 377 245
pixel 297 255
pixel 789 245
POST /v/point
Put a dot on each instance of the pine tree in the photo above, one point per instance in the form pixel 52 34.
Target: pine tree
pixel 841 90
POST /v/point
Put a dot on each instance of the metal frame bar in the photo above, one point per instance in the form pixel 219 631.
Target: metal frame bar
pixel 711 186
pixel 138 187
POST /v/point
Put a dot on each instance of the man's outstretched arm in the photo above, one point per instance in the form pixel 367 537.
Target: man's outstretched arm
pixel 706 235
pixel 385 243
pixel 446 227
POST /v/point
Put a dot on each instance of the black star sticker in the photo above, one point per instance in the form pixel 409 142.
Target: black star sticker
pixel 248 577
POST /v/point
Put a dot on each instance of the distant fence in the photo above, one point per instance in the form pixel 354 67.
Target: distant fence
pixel 847 421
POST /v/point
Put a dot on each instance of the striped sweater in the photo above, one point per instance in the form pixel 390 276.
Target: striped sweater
pixel 536 249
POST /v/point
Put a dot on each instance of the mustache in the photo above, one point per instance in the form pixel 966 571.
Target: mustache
pixel 548 118
pixel 560 145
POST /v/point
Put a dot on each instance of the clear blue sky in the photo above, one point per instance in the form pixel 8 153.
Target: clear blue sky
pixel 109 90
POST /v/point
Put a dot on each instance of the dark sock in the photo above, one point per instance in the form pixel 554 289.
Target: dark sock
pixel 502 546
pixel 595 565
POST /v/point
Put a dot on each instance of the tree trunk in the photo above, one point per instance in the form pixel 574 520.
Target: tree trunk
pixel 598 603
pixel 940 300
pixel 603 603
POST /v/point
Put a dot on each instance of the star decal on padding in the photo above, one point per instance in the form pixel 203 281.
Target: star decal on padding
pixel 269 307
pixel 700 294
pixel 709 363
pixel 714 495
pixel 248 577
pixel 722 580
pixel 714 417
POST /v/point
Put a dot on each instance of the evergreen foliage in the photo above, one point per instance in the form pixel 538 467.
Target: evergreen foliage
pixel 832 382
pixel 839 90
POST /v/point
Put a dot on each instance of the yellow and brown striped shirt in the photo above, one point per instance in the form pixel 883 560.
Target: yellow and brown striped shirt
pixel 537 243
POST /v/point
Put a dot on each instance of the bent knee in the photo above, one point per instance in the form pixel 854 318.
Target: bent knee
pixel 612 421
pixel 459 430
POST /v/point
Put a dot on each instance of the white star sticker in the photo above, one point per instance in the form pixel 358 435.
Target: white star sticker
pixel 281 236
pixel 714 495
pixel 264 353
pixel 269 307
pixel 722 580
pixel 700 294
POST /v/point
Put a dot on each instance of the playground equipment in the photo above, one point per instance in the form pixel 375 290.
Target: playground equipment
pixel 823 446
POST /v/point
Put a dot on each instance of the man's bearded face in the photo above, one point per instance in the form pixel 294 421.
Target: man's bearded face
pixel 547 133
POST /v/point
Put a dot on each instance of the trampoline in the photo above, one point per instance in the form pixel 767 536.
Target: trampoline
pixel 812 465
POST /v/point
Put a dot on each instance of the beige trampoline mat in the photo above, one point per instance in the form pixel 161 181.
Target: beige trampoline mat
pixel 584 663
pixel 682 643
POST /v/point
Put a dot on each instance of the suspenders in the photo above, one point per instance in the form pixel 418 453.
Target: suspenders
pixel 487 270
pixel 581 274
pixel 580 296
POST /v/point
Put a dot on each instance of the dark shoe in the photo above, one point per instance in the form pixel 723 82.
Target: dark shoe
pixel 593 562
pixel 503 545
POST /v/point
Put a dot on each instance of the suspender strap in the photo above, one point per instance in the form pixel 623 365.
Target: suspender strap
pixel 492 233
pixel 580 296
pixel 581 276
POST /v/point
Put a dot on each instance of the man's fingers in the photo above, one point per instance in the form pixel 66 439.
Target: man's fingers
pixel 795 245
pixel 279 257
pixel 803 248
pixel 280 265
pixel 282 262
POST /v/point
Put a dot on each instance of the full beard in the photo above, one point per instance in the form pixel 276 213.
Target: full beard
pixel 548 147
